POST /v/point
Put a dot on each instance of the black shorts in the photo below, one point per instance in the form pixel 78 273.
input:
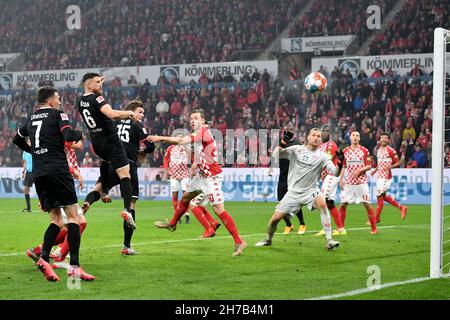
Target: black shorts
pixel 111 151
pixel 29 179
pixel 113 179
pixel 56 191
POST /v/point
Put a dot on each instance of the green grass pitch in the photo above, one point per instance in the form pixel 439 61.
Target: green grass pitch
pixel 180 266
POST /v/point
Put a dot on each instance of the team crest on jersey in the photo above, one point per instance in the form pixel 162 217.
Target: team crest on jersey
pixel 100 99
pixel 64 117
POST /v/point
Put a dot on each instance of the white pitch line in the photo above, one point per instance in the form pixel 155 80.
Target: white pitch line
pixel 222 237
pixel 372 289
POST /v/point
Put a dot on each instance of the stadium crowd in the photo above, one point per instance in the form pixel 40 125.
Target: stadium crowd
pixel 142 32
pixel 411 30
pixel 401 106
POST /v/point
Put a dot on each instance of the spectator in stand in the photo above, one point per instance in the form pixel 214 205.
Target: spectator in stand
pixel 419 156
pixel 87 160
pixel 256 75
pixel 409 130
pixel 162 107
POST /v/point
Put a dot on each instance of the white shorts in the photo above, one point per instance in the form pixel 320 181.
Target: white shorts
pixel 211 187
pixel 200 200
pixel 329 187
pixel 292 202
pixel 176 185
pixel 383 186
pixel 355 193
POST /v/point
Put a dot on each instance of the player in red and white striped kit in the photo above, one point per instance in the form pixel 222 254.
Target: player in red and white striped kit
pixel 387 159
pixel 330 182
pixel 355 187
pixel 208 181
pixel 176 162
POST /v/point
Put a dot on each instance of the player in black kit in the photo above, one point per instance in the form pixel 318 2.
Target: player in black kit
pixel 131 133
pixel 282 188
pixel 48 129
pixel 98 116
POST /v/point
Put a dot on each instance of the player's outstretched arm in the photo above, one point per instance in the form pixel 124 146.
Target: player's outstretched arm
pixel 117 114
pixel 171 140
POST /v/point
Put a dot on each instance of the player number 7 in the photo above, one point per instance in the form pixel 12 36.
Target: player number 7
pixel 38 132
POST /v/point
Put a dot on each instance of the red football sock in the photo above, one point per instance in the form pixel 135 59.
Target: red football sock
pixel 38 250
pixel 198 213
pixel 61 236
pixel 181 209
pixel 392 201
pixel 231 227
pixel 336 217
pixel 65 246
pixel 380 204
pixel 343 214
pixel 371 216
pixel 174 203
pixel 208 216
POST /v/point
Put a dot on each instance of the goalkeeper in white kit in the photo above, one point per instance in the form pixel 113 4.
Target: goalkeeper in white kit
pixel 305 168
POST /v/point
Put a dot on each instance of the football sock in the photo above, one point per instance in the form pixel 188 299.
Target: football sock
pixel 208 216
pixel 73 239
pixel 181 209
pixel 288 222
pixel 61 236
pixel 38 250
pixel 300 217
pixel 343 214
pixel 174 202
pixel 127 231
pixel 336 217
pixel 326 222
pixel 392 201
pixel 371 216
pixel 125 190
pixel 27 200
pixel 198 214
pixel 49 239
pixel 380 204
pixel 65 246
pixel 231 227
pixel 92 197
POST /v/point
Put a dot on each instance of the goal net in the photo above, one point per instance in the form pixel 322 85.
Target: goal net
pixel 440 187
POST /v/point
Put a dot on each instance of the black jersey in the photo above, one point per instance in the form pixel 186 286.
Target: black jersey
pixel 131 133
pixel 99 125
pixel 45 128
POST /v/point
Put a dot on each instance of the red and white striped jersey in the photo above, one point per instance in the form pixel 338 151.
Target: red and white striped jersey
pixel 205 152
pixel 354 159
pixel 176 160
pixel 386 157
pixel 330 149
pixel 71 156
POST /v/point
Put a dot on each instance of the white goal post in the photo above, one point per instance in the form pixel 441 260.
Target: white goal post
pixel 441 38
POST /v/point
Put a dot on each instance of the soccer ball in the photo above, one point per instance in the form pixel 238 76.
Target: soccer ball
pixel 315 82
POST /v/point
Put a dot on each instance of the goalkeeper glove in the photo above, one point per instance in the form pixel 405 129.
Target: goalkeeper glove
pixel 287 137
